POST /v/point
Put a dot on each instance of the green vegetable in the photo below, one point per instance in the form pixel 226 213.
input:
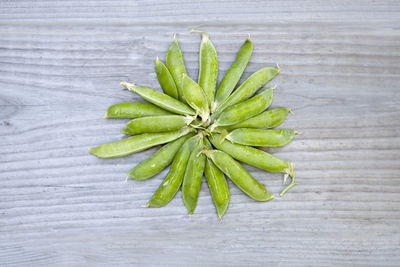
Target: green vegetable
pixel 204 130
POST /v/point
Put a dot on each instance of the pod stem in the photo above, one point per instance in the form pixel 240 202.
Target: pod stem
pixel 213 106
pixel 292 183
pixel 129 86
pixel 204 35
pixel 189 119
pixel 198 127
pixel 290 172
pixel 204 117
pixel 206 152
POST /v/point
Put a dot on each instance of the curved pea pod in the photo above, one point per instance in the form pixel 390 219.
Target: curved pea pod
pixel 195 97
pixel 136 143
pixel 239 175
pixel 193 176
pixel 155 124
pixel 208 67
pixel 166 80
pixel 176 66
pixel 132 110
pixel 248 88
pixel 268 119
pixel 255 157
pixel 173 181
pixel 158 161
pixel 234 73
pixel 159 99
pixel 261 137
pixel 246 109
pixel 218 187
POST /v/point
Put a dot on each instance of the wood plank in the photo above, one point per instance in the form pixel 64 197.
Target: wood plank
pixel 60 67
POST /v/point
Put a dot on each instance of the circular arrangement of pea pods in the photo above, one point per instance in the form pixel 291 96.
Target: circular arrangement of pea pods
pixel 204 129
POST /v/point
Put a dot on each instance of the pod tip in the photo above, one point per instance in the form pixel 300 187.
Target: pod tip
pixel 129 86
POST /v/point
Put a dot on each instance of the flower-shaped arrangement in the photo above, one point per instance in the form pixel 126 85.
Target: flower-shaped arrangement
pixel 203 130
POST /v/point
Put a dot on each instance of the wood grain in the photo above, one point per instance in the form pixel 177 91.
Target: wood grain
pixel 60 67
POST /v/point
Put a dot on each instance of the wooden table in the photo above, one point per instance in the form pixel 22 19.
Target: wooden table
pixel 60 67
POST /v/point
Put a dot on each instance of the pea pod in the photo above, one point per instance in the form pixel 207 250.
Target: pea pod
pixel 268 119
pixel 218 187
pixel 261 137
pixel 252 156
pixel 193 176
pixel 166 80
pixel 255 157
pixel 233 75
pixel 136 143
pixel 154 124
pixel 239 175
pixel 158 161
pixel 208 67
pixel 246 109
pixel 159 99
pixel 172 182
pixel 251 85
pixel 134 110
pixel 176 66
pixel 195 97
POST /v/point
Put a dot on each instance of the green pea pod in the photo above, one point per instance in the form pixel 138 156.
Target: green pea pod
pixel 136 143
pixel 195 97
pixel 155 124
pixel 132 110
pixel 173 181
pixel 261 137
pixel 158 161
pixel 246 109
pixel 248 88
pixel 176 66
pixel 218 187
pixel 239 175
pixel 208 67
pixel 193 176
pixel 166 80
pixel 252 156
pixel 255 157
pixel 159 99
pixel 268 119
pixel 233 75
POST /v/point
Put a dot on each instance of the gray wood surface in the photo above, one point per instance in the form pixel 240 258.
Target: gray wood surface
pixel 60 67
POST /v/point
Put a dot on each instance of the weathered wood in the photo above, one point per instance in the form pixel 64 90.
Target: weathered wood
pixel 60 67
